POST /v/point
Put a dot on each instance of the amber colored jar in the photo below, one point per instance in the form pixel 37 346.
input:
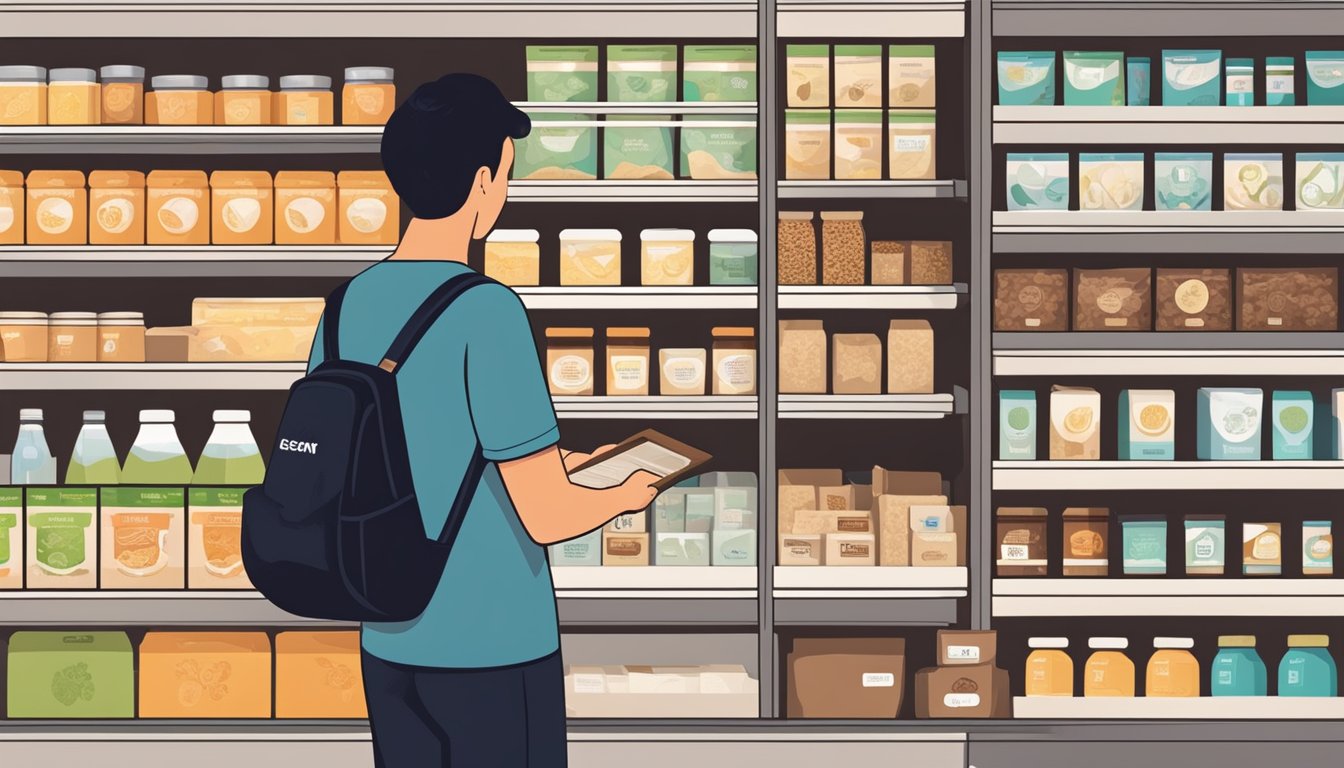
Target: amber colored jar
pixel 627 361
pixel 305 100
pixel 73 97
pixel 72 337
pixel 121 337
pixel 123 94
pixel 23 337
pixel 368 97
pixel 569 361
pixel 23 95
pixel 244 100
pixel 180 100
pixel 1049 668
pixel 117 208
pixel 11 208
pixel 734 361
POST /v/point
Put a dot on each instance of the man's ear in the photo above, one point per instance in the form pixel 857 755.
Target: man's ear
pixel 484 178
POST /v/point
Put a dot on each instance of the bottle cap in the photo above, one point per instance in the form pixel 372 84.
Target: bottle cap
pixel 232 417
pixel 123 72
pixel 1308 641
pixel 157 417
pixel 95 417
pixel 73 75
pixel 1236 641
pixel 1048 642
pixel 368 74
pixel 179 82
pixel 1174 643
pixel 245 82
pixel 30 414
pixel 1108 643
pixel 305 82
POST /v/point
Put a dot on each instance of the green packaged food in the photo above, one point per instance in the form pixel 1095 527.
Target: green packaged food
pixel 70 675
pixel 11 538
pixel 637 151
pixel 561 73
pixel 1094 78
pixel 719 73
pixel 641 73
pixel 1026 78
pixel 1320 181
pixel 1325 78
pixel 1192 78
pixel 718 147
pixel 733 257
pixel 565 151
pixel 62 538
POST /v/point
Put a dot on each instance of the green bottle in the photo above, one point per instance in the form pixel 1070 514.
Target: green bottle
pixel 94 460
pixel 231 456
pixel 157 456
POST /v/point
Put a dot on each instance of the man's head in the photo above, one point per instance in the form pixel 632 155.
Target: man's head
pixel 449 148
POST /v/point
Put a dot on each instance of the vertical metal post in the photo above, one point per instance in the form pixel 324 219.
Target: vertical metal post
pixel 979 44
pixel 767 356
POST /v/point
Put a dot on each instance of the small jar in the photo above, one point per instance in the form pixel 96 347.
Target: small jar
pixel 179 100
pixel 23 95
pixel 305 100
pixel 667 257
pixel 681 372
pixel 73 97
pixel 590 257
pixel 11 208
pixel 368 96
pixel 627 361
pixel 1109 671
pixel 1307 668
pixel 244 100
pixel 121 337
pixel 1238 669
pixel 733 257
pixel 1049 668
pixel 1173 672
pixel 123 94
pixel 23 337
pixel 734 361
pixel 513 257
pixel 73 337
pixel 569 360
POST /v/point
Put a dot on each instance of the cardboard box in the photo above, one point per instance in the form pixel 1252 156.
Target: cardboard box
pixel 893 526
pixel 802 357
pixel 70 675
pixel 62 538
pixel 168 344
pixel 964 647
pixel 205 675
pixel 734 508
pixel 800 549
pixel 143 538
pixel 733 548
pixel 798 490
pixel 11 537
pixel 893 482
pixel 257 311
pixel 856 366
pixel 625 548
pixel 963 692
pixel 214 539
pixel 699 511
pixel 959 525
pixel 317 676
pixel 910 357
pixel 252 344
pixel 669 511
pixel 833 521
pixel 846 677
pixel 933 540
pixel 681 549
pixel 843 549
pixel 1075 424
pixel 585 550
pixel 635 522
pixel 836 497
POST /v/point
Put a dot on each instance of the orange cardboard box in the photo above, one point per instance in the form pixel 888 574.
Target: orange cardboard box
pixel 317 675
pixel 205 675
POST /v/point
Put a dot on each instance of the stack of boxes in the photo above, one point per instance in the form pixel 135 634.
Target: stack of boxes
pixel 966 683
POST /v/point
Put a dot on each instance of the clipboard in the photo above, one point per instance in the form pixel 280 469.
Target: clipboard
pixel 651 450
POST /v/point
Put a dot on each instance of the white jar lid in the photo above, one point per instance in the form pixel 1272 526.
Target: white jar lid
pixel 609 235
pixel 305 83
pixel 1108 643
pixel 232 417
pixel 73 75
pixel 157 417
pixel 179 82
pixel 24 74
pixel 96 417
pixel 245 82
pixel 368 74
pixel 668 235
pixel 138 316
pixel 74 318
pixel 23 318
pixel 1182 643
pixel 1048 642
pixel 513 236
pixel 122 72
pixel 30 414
pixel 732 236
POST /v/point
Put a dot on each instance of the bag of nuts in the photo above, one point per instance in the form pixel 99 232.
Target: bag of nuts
pixel 844 248
pixel 797 248
pixel 889 260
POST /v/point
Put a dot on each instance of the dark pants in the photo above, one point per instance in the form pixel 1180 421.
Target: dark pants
pixel 502 717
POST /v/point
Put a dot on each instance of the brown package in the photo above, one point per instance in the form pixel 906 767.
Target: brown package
pixel 964 647
pixel 1194 300
pixel 930 262
pixel 798 490
pixel 1031 300
pixel 890 481
pixel 862 677
pixel 1086 530
pixel 893 525
pixel 910 357
pixel 889 262
pixel 1021 535
pixel 857 369
pixel 963 692
pixel 797 248
pixel 802 357
pixel 844 247
pixel 1113 299
pixel 169 344
pixel 836 497
pixel 849 549
pixel 1288 299
pixel 625 548
pixel 863 496
pixel 832 521
pixel 800 549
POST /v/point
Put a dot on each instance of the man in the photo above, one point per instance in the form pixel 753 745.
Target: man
pixel 477 679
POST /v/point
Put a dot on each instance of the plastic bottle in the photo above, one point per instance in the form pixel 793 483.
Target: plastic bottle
pixel 94 460
pixel 1307 668
pixel 1109 671
pixel 32 463
pixel 231 456
pixel 1237 669
pixel 157 456
pixel 1173 671
pixel 1049 668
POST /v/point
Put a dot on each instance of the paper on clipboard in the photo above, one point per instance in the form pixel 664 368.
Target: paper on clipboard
pixel 649 451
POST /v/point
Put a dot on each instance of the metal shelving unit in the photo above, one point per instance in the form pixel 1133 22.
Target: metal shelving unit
pixel 1168 354
pixel 869 406
pixel 870 190
pixel 1168 475
pixel 1201 126
pixel 890 297
pixel 1131 597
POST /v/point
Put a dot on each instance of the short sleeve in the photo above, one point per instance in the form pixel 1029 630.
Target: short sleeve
pixel 506 391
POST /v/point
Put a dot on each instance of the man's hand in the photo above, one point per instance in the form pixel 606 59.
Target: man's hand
pixel 637 492
pixel 573 459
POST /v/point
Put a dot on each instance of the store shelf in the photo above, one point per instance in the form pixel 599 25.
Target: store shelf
pixel 1202 708
pixel 864 18
pixel 1167 475
pixel 1191 19
pixel 1130 232
pixel 1157 596
pixel 149 376
pixel 654 582
pixel 605 191
pixel 747 109
pixel 1168 354
pixel 820 582
pixel 707 407
pixel 522 19
pixel 867 406
pixel 1201 126
pixel 892 297
pixel 695 298
pixel 132 261
pixel 870 190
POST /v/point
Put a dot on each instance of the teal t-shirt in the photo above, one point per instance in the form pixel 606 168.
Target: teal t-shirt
pixel 477 369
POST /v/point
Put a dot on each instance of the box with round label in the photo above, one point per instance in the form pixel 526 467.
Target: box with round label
pixel 116 208
pixel 241 208
pixel 1194 299
pixel 205 675
pixel 58 208
pixel 305 208
pixel 370 211
pixel 178 208
pixel 317 676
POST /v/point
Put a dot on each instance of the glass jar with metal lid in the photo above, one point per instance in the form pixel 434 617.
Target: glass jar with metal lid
pixel 73 97
pixel 23 337
pixel 369 96
pixel 179 100
pixel 123 94
pixel 73 337
pixel 244 100
pixel 23 95
pixel 121 337
pixel 305 100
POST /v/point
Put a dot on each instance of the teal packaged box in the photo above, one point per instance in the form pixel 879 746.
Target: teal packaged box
pixel 71 675
pixel 669 511
pixel 1292 416
pixel 1229 424
pixel 1192 78
pixel 1308 669
pixel 1279 86
pixel 1094 78
pixel 1145 545
pixel 1320 181
pixel 1139 81
pixel 1017 425
pixel 584 550
pixel 1237 669
pixel 1037 182
pixel 1183 181
pixel 733 548
pixel 1325 78
pixel 1241 82
pixel 1147 425
pixel 559 147
pixel 1026 78
pixel 699 511
pixel 1205 545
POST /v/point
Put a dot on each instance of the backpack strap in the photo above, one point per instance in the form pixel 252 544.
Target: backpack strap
pixel 424 317
pixel 331 321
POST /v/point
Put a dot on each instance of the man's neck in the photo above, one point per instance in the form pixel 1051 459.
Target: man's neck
pixel 444 239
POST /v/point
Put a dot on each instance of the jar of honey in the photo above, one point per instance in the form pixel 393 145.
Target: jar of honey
pixel 123 94
pixel 23 95
pixel 23 337
pixel 244 100
pixel 569 361
pixel 734 361
pixel 1173 671
pixel 117 208
pixel 73 97
pixel 1049 668
pixel 1109 672
pixel 121 337
pixel 627 361
pixel 11 208
pixel 305 100
pixel 368 97
pixel 73 337
pixel 179 100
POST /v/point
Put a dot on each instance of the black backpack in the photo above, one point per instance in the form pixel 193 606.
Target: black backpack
pixel 335 530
